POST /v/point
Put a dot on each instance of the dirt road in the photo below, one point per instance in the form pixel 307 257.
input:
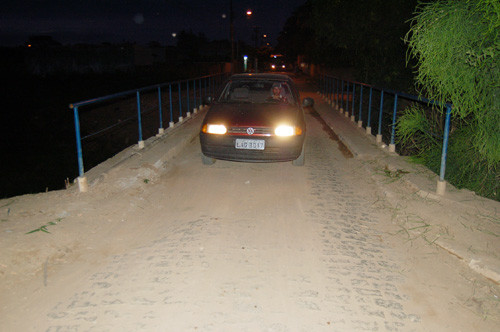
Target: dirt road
pixel 235 247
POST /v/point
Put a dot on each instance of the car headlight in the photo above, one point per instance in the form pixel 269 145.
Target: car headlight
pixel 217 129
pixel 284 130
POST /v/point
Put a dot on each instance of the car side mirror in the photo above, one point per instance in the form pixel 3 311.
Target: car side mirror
pixel 308 102
pixel 207 100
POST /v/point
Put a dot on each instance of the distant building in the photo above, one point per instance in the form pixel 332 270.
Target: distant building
pixel 41 41
pixel 44 56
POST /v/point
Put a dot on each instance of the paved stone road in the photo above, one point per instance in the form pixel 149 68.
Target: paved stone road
pixel 244 247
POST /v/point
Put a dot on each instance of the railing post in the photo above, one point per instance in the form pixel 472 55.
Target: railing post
pixel 171 123
pixel 337 107
pixel 139 122
pixel 161 130
pixel 323 90
pixel 82 180
pixel 213 84
pixel 347 101
pixel 441 185
pixel 353 117
pixel 332 91
pixel 201 92
pixel 329 92
pixel 180 101
pixel 330 85
pixel 392 145
pixel 205 86
pixel 368 123
pixel 325 85
pixel 379 134
pixel 325 94
pixel 360 120
pixel 341 110
pixel 195 109
pixel 188 114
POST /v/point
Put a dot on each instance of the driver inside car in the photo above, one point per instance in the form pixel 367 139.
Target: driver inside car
pixel 278 93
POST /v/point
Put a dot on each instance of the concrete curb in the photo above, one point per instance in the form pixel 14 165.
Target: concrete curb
pixel 157 151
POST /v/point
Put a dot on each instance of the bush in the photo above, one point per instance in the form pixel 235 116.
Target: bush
pixel 456 44
pixel 421 137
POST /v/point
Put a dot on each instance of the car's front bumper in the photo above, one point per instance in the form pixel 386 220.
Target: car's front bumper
pixel 276 148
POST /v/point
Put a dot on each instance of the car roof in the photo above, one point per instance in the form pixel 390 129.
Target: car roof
pixel 261 76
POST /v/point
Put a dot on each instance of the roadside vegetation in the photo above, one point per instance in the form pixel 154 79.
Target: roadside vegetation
pixel 456 44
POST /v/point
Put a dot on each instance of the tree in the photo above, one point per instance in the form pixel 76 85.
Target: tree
pixel 367 34
pixel 297 37
pixel 191 46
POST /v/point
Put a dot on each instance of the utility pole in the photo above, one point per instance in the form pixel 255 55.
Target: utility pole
pixel 231 31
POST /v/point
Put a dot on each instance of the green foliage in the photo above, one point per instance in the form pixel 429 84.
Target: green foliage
pixel 417 130
pixel 456 46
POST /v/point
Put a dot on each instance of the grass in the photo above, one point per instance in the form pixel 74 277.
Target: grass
pixel 7 204
pixel 488 232
pixel 392 176
pixel 417 225
pixel 492 219
pixel 43 228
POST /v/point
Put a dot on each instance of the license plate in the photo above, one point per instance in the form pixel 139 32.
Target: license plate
pixel 250 144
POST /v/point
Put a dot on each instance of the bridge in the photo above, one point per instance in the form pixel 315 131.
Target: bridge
pixel 355 240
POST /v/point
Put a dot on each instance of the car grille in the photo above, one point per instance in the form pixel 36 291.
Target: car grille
pixel 259 131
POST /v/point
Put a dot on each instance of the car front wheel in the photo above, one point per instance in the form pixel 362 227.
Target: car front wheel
pixel 207 160
pixel 301 159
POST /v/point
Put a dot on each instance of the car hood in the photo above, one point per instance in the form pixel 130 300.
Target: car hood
pixel 265 115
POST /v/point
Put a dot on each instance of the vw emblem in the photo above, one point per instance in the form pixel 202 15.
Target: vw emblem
pixel 250 131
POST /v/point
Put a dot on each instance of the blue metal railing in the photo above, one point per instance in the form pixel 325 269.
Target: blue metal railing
pixel 333 88
pixel 207 85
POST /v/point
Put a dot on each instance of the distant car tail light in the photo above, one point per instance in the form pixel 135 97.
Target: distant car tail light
pixel 217 129
pixel 285 130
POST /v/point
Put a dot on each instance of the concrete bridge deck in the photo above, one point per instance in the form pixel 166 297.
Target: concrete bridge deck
pixel 163 243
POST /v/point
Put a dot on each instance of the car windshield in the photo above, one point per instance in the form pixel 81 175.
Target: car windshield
pixel 259 92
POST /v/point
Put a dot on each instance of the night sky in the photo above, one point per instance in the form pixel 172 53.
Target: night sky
pixel 141 21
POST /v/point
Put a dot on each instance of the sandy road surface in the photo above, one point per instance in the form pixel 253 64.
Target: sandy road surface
pixel 243 247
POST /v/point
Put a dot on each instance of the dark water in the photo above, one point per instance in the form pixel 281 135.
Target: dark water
pixel 38 145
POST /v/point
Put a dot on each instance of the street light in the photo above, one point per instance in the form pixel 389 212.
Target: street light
pixel 231 30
